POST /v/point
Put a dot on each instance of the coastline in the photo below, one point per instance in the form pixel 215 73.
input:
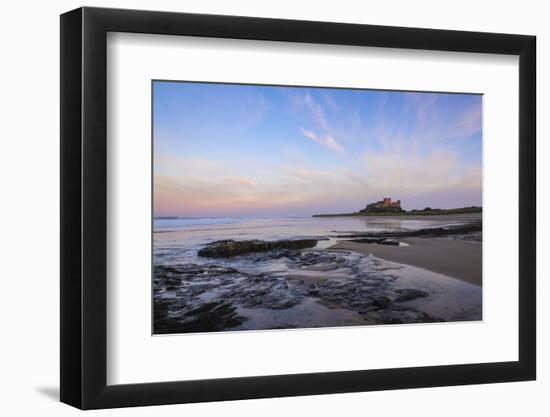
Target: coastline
pixel 271 274
pixel 467 217
pixel 407 214
pixel 458 259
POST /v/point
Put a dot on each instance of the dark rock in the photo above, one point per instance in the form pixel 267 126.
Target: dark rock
pixel 410 294
pixel 313 291
pixel 426 318
pixel 382 302
pixel 393 320
pixel 228 248
pixel 428 232
pixel 380 241
pixel 209 317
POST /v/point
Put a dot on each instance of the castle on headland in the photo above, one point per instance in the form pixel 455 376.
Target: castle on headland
pixel 385 205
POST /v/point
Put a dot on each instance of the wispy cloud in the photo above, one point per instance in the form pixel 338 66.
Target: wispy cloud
pixel 437 122
pixel 470 121
pixel 316 110
pixel 420 162
pixel 235 179
pixel 327 141
pixel 307 188
pixel 329 101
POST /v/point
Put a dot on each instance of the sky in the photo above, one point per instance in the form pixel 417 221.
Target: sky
pixel 270 151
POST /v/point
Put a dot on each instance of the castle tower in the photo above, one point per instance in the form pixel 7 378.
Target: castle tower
pixel 387 202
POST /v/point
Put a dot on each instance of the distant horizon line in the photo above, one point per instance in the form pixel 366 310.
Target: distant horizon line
pixel 169 217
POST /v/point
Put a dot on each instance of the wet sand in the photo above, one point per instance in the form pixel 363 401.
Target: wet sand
pixel 455 258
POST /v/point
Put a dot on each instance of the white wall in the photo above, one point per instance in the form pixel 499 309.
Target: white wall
pixel 29 175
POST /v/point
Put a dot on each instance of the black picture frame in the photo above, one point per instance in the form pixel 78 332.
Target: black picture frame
pixel 84 207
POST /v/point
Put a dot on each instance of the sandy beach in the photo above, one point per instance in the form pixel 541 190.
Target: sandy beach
pixel 455 258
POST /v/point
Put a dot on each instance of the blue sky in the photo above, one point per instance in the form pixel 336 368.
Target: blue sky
pixel 249 150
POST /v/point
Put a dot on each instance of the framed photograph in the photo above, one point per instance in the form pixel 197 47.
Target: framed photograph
pixel 257 208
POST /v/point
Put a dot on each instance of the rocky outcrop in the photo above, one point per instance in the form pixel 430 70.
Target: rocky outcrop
pixel 409 294
pixel 380 241
pixel 428 232
pixel 209 317
pixel 228 248
pixel 211 297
